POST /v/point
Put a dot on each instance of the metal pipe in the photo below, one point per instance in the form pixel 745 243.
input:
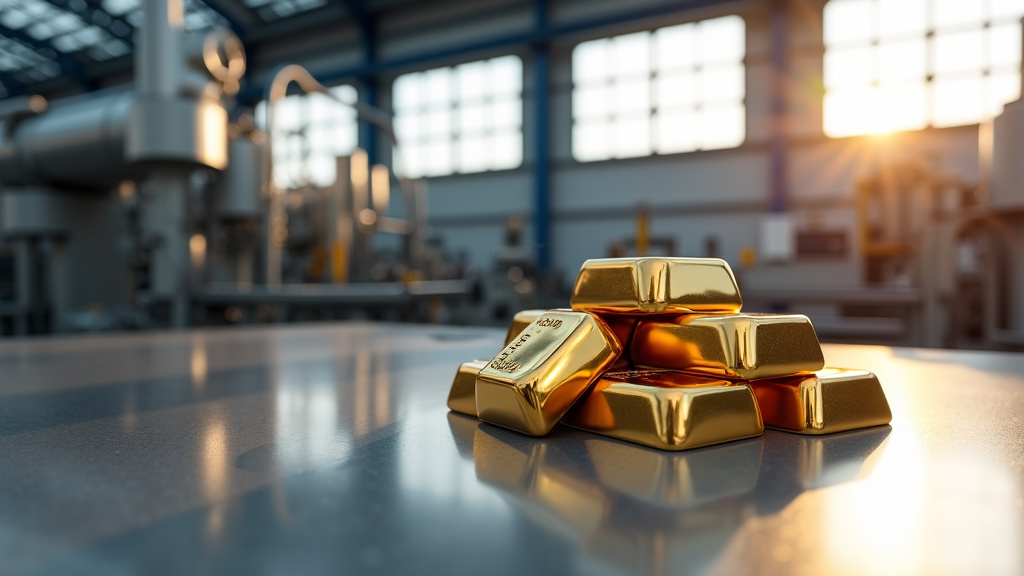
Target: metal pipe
pixel 158 53
pixel 275 224
pixel 78 143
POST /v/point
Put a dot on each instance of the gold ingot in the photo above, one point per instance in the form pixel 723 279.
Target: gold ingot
pixel 656 286
pixel 520 321
pixel 744 346
pixel 622 326
pixel 530 384
pixel 462 397
pixel 667 410
pixel 831 400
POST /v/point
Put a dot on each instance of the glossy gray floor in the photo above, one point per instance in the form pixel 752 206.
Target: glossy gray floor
pixel 329 450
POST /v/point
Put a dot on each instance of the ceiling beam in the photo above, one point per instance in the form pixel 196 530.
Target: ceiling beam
pixel 69 65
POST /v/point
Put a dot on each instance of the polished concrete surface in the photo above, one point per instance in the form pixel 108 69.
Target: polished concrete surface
pixel 329 450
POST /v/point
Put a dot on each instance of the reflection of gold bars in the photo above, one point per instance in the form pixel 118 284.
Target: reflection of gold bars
pixel 743 346
pixel 677 479
pixel 832 400
pixel 530 384
pixel 531 475
pixel 462 397
pixel 656 286
pixel 667 410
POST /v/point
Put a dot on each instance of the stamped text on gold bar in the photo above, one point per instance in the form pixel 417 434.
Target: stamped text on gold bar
pixel 530 384
pixel 520 321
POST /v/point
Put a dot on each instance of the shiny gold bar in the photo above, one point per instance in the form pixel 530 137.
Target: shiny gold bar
pixel 530 384
pixel 462 397
pixel 621 326
pixel 667 410
pixel 745 346
pixel 520 321
pixel 831 400
pixel 656 286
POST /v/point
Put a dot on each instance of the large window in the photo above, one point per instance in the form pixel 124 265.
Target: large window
pixel 907 64
pixel 467 118
pixel 676 89
pixel 309 132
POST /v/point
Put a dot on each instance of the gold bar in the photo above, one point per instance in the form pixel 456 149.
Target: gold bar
pixel 520 321
pixel 656 286
pixel 667 410
pixel 535 379
pixel 462 397
pixel 621 326
pixel 831 400
pixel 745 346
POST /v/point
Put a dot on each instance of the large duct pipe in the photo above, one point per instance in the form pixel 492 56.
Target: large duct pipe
pixel 77 143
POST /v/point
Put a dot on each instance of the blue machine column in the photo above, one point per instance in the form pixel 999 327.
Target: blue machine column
pixel 780 107
pixel 541 134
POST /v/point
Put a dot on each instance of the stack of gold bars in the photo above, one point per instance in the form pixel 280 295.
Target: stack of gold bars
pixel 655 351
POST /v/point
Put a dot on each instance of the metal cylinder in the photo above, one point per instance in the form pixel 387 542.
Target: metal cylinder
pixel 237 191
pixel 159 44
pixel 77 144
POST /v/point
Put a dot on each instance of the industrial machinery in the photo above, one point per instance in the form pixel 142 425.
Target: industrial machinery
pixel 147 207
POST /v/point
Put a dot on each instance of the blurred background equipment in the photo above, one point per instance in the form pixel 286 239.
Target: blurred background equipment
pixel 166 164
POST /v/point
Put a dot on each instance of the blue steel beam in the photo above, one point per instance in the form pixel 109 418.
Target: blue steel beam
pixel 367 25
pixel 541 133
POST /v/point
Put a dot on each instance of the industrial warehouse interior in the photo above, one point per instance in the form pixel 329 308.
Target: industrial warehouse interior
pixel 511 287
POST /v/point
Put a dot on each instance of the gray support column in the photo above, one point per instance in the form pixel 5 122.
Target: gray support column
pixel 158 48
pixel 164 218
pixel 22 285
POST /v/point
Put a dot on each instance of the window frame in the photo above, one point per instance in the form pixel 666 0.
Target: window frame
pixel 452 109
pixel 294 144
pixel 655 112
pixel 997 82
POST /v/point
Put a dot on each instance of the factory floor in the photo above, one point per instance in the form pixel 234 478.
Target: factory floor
pixel 328 449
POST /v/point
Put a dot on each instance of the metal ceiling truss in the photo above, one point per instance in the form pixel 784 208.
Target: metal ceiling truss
pixel 92 12
pixel 70 66
pixel 240 18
